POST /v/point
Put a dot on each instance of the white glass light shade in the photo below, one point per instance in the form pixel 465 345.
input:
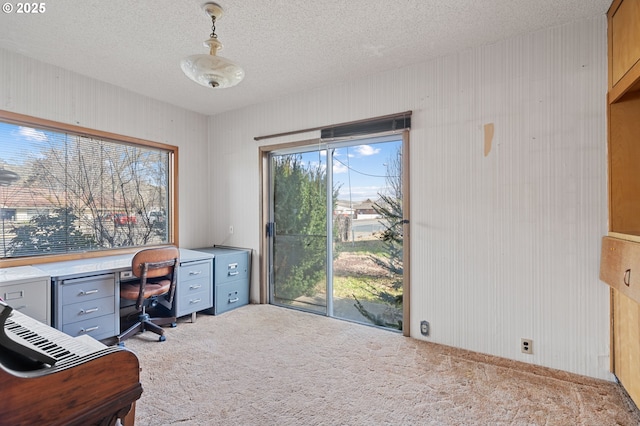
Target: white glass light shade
pixel 212 71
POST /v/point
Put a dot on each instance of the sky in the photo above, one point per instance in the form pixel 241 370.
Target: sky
pixel 18 143
pixel 359 170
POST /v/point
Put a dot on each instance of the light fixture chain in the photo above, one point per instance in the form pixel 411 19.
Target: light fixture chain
pixel 213 27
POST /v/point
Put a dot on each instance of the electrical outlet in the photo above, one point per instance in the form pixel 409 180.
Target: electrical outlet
pixel 526 346
pixel 424 328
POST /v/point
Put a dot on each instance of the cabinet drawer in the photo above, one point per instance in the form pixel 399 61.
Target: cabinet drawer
pixel 231 266
pixel 194 302
pixel 89 288
pixel 194 286
pixel 87 309
pixel 231 295
pixel 195 271
pixel 98 328
pixel 29 298
pixel 620 266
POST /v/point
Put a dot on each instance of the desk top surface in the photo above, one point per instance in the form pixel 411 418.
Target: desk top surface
pixel 21 273
pixel 105 264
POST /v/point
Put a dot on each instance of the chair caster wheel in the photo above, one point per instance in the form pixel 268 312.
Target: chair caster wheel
pixel 162 338
pixel 174 324
pixel 121 344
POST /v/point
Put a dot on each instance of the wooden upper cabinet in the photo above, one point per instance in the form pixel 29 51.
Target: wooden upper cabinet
pixel 624 48
pixel 624 164
pixel 624 118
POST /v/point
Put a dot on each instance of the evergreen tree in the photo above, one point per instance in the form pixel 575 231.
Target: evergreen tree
pixel 389 206
pixel 301 227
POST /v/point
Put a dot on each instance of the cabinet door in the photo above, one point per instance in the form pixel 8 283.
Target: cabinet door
pixel 620 268
pixel 624 43
pixel 626 343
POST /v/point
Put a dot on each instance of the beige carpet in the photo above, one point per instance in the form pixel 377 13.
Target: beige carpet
pixel 264 365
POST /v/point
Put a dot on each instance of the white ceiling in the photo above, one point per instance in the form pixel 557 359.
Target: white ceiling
pixel 283 46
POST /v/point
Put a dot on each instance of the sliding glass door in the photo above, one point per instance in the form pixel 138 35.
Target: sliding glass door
pixel 336 230
pixel 299 230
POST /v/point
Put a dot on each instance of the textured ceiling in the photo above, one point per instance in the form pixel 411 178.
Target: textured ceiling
pixel 284 46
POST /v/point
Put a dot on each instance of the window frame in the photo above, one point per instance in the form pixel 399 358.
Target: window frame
pixel 30 121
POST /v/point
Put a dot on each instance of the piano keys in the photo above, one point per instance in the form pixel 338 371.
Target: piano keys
pixel 50 378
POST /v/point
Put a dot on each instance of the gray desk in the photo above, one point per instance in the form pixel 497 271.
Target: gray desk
pixel 28 290
pixel 86 292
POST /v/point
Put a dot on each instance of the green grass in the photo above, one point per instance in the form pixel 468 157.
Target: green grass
pixel 366 247
pixel 360 287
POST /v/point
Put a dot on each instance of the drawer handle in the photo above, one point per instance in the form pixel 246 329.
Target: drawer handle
pixel 194 301
pixel 194 287
pixel 85 293
pixel 231 274
pixel 233 265
pixel 234 300
pixel 195 272
pixel 88 330
pixel 627 277
pixel 14 295
pixel 88 311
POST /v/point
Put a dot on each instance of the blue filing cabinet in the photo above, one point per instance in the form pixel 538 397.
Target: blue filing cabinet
pixel 231 272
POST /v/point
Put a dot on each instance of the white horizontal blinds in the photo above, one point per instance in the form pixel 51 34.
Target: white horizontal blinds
pixel 76 193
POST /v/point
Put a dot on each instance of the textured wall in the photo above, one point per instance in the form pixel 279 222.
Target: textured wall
pixel 504 246
pixel 40 90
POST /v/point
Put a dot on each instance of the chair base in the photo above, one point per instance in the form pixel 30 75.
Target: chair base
pixel 146 323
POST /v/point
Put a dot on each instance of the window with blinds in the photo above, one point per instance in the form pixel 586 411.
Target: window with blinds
pixel 63 192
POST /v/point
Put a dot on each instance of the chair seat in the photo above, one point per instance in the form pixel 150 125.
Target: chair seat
pixel 131 290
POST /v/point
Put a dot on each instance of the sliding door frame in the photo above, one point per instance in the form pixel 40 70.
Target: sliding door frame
pixel 265 182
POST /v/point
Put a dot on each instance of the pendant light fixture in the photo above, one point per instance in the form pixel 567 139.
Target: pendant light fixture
pixel 211 70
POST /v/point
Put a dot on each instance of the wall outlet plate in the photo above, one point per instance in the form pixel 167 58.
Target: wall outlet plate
pixel 526 346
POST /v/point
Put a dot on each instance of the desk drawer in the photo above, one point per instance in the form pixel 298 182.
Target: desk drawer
pixel 87 309
pixel 98 328
pixel 193 302
pixel 195 271
pixel 29 298
pixel 231 295
pixel 89 288
pixel 194 286
pixel 231 266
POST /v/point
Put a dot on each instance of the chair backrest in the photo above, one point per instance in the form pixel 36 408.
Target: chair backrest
pixel 154 263
pixel 159 261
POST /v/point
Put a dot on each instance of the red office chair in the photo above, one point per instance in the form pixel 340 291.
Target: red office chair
pixel 156 270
